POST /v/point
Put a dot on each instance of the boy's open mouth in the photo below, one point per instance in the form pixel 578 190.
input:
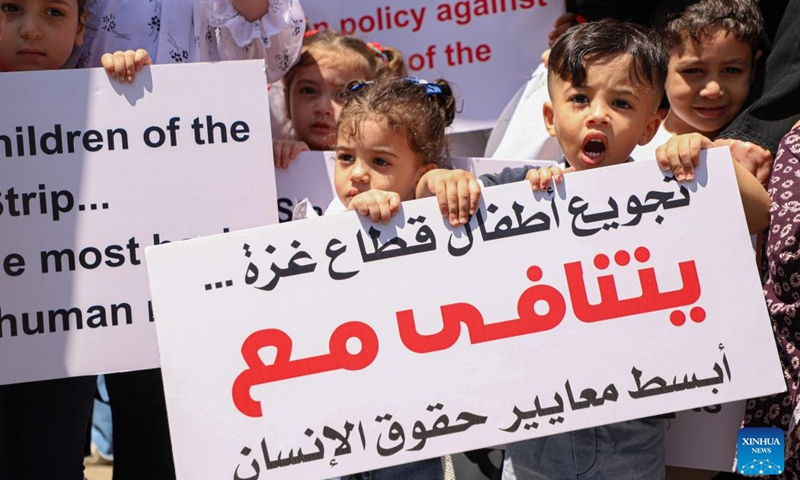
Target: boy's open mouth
pixel 594 149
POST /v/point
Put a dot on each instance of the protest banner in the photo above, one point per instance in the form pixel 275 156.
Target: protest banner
pixel 329 346
pixel 93 172
pixel 310 176
pixel 486 48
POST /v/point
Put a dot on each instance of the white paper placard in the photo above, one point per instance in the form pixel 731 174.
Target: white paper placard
pixel 328 349
pixel 486 48
pixel 93 172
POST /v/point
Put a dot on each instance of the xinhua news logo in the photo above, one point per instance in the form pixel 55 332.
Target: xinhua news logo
pixel 760 451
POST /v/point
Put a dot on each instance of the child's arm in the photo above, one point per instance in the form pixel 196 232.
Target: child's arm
pixel 457 191
pixel 681 154
pixel 755 159
pixel 285 151
pixel 755 200
pixel 378 205
pixel 124 65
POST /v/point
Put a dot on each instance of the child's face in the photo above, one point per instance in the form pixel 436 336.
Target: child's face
pixel 599 123
pixel 39 34
pixel 315 102
pixel 379 158
pixel 707 83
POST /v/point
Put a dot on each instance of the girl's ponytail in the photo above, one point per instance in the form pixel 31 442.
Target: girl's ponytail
pixel 446 101
pixel 395 66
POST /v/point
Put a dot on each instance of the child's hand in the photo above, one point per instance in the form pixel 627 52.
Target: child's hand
pixel 287 150
pixel 540 177
pixel 754 158
pixel 457 191
pixel 681 154
pixel 378 205
pixel 124 65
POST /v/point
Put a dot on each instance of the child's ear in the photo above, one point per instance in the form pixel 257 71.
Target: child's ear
pixel 81 29
pixel 547 111
pixel 650 128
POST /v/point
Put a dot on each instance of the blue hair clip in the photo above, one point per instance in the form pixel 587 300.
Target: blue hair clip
pixel 359 86
pixel 430 88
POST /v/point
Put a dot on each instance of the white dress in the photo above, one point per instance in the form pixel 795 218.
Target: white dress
pixel 177 31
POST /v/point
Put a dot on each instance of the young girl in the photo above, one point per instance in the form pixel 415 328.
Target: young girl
pixel 50 417
pixel 313 87
pixel 40 34
pixel 390 132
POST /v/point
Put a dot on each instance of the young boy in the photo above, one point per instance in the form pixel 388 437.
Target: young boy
pixel 605 82
pixel 713 49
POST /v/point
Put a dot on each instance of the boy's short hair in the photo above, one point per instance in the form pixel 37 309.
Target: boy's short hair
pixel 740 18
pixel 595 42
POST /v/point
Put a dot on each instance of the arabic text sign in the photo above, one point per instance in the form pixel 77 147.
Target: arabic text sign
pixel 464 42
pixel 93 172
pixel 333 345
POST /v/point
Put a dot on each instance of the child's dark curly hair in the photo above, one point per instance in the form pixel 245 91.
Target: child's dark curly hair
pixel 740 18
pixel 596 42
pixel 410 106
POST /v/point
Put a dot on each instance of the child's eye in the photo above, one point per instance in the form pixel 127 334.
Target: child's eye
pixel 53 12
pixel 579 99
pixel 622 104
pixel 9 8
pixel 344 157
pixel 381 162
pixel 733 70
pixel 307 91
pixel 691 71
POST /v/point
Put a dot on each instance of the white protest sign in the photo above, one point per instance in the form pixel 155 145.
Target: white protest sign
pixel 486 48
pixel 310 176
pixel 706 437
pixel 92 173
pixel 340 346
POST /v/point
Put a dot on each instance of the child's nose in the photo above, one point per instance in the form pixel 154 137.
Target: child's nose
pixel 712 89
pixel 598 114
pixel 359 173
pixel 30 28
pixel 325 106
